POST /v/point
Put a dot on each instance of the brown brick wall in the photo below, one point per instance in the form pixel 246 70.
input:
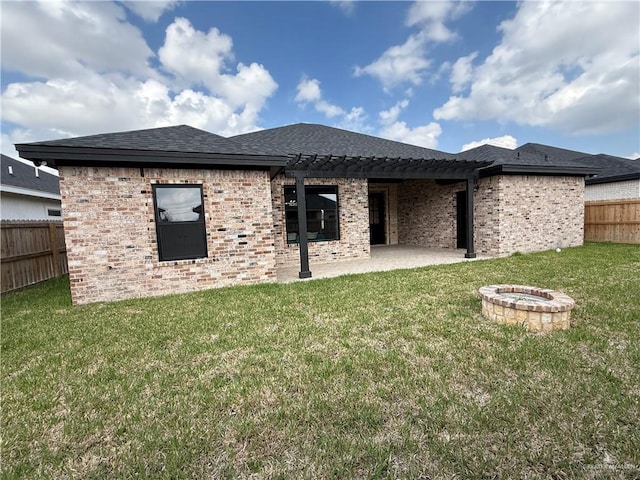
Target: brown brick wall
pixel 427 214
pixel 353 205
pixel 528 213
pixel 519 213
pixel 111 236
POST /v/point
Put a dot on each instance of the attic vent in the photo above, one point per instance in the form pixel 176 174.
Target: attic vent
pixel 10 170
pixel 37 172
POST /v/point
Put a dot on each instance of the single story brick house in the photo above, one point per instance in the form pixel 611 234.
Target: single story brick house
pixel 178 209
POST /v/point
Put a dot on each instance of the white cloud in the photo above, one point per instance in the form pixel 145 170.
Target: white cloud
pixel 423 136
pixel 408 62
pixel 566 65
pixel 150 10
pixel 198 58
pixel 102 95
pixel 506 141
pixel 399 64
pixel 347 6
pixel 69 39
pixel 390 116
pixel 194 56
pixel 461 72
pixel 355 120
pixel 431 16
pixel 102 105
pixel 309 92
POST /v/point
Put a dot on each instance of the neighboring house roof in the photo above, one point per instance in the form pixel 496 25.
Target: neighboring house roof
pixel 555 154
pixel 176 145
pixel 611 169
pixel 20 178
pixel 313 139
pixel 608 168
pixel 504 160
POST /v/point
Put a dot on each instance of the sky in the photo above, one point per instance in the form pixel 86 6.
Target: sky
pixel 446 75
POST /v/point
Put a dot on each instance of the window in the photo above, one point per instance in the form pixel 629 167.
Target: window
pixel 322 213
pixel 180 227
pixel 54 212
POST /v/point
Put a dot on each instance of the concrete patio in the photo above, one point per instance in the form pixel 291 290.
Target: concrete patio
pixel 383 258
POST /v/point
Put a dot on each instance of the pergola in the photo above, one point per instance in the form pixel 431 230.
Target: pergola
pixel 380 168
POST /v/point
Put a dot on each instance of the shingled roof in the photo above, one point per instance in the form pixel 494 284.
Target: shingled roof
pixel 504 160
pixel 334 150
pixel 608 168
pixel 180 145
pixel 179 138
pixel 553 154
pixel 313 139
pixel 14 173
pixel 611 169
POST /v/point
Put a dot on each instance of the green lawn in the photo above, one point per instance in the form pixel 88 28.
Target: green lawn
pixel 385 375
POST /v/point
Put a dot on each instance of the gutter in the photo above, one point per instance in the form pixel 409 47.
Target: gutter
pixel 30 193
pixel 614 178
pixel 548 170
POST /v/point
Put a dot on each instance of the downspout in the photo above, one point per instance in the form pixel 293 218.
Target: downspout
pixel 471 181
pixel 302 226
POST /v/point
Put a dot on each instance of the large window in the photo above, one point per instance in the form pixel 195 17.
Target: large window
pixel 322 213
pixel 180 227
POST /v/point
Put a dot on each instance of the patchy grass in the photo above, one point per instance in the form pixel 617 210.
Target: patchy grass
pixel 385 375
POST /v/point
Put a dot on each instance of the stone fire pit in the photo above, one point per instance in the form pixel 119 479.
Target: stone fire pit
pixel 537 309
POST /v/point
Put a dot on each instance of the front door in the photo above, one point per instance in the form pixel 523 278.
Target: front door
pixel 461 219
pixel 377 218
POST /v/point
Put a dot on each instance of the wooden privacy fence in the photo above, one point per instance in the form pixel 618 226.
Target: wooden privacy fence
pixel 31 252
pixel 612 221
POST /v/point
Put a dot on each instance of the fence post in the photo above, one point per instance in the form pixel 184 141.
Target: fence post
pixel 53 241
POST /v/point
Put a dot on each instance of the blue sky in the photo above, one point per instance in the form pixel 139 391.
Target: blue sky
pixel 445 75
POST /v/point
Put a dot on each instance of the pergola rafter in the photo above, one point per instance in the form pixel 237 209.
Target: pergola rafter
pixel 381 168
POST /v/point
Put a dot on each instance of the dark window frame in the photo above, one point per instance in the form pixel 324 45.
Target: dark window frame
pixel 165 229
pixel 291 236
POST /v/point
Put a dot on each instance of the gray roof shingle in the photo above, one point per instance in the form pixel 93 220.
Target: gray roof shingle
pixel 311 139
pixel 24 176
pixel 611 168
pixel 505 156
pixel 554 154
pixel 180 138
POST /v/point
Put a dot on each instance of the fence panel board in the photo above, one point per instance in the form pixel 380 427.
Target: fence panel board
pixel 612 221
pixel 31 252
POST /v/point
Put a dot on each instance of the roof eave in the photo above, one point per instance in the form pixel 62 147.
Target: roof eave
pixel 614 178
pixel 56 156
pixel 433 175
pixel 28 192
pixel 545 170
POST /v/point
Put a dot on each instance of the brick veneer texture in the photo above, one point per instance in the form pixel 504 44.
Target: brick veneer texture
pixel 528 213
pixel 511 213
pixel 427 213
pixel 111 236
pixel 353 212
